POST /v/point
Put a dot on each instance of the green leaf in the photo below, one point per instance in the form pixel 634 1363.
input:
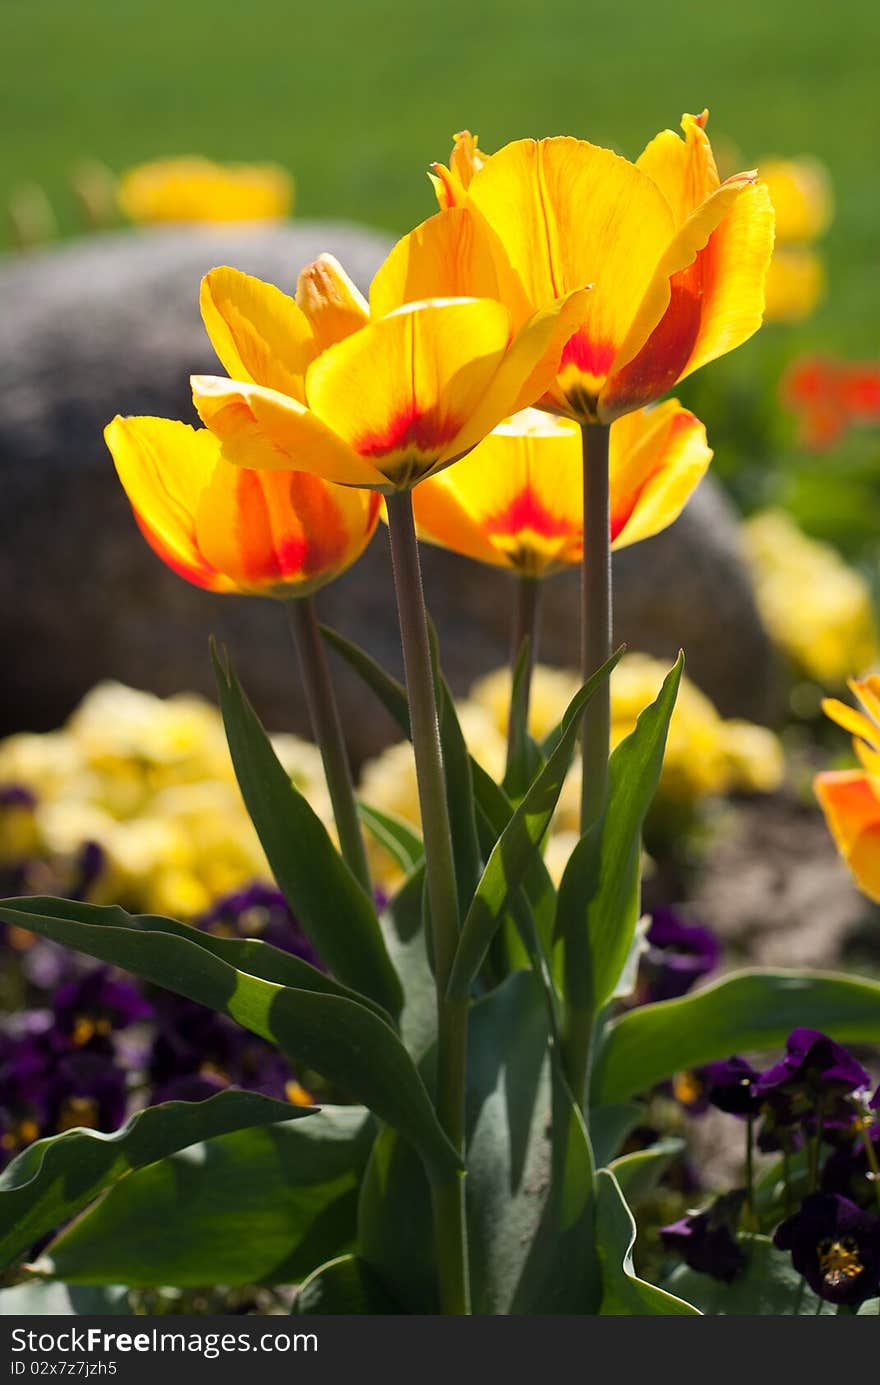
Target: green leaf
pixel 327 900
pixel 390 692
pixel 517 846
pixel 341 1039
pixel 623 1293
pixel 748 1010
pixel 768 1286
pixel 395 1225
pixel 397 837
pixel 459 786
pixel 36 1297
pixel 254 1207
pixel 598 902
pixel 346 1287
pixel 54 1178
pixel 609 1127
pixel 638 1173
pixel 525 760
pixel 495 810
pixel 406 942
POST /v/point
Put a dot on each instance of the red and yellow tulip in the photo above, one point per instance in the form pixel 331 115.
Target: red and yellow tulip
pixel 517 500
pixel 318 384
pixel 850 799
pixel 229 529
pixel 677 259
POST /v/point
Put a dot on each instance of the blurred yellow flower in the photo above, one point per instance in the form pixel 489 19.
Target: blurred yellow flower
pixel 800 190
pixel 196 189
pixel 816 608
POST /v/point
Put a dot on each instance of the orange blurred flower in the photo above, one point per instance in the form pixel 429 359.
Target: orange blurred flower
pixel 381 401
pixel 517 500
pixel 850 799
pixel 228 529
pixel 830 397
pixel 677 258
pixel 195 189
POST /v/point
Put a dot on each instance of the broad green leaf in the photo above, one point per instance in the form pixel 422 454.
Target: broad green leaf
pixel 390 692
pixel 638 1173
pixel 768 1286
pixel 598 904
pixel 748 1010
pixel 328 902
pixel 517 846
pixel 254 1207
pixel 344 1287
pixel 407 946
pixel 54 1178
pixel 609 1127
pixel 397 837
pixel 525 760
pixel 341 1039
pixel 38 1297
pixel 494 811
pixel 623 1293
pixel 395 1225
pixel 459 786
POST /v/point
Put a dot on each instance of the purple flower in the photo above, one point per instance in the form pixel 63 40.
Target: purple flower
pixel 88 1089
pixel 677 955
pixel 14 796
pixel 194 1042
pixel 88 1009
pixel 847 1170
pixel 835 1246
pixel 259 911
pixel 706 1240
pixel 813 1065
pixel 731 1086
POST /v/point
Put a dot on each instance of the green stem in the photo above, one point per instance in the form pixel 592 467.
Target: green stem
pixel 751 1219
pixel 595 620
pixel 596 733
pixel 871 1156
pixel 452 1016
pixel 526 612
pixel 786 1176
pixel 327 730
pixel 816 1145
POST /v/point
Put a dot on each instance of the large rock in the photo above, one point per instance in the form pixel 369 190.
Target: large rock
pixel 111 325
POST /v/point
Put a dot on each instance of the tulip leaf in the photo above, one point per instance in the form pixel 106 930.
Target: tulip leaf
pixel 748 1010
pixel 341 1039
pixel 46 1298
pixel 326 899
pixel 260 1206
pixel 344 1287
pixel 609 1127
pixel 390 692
pixel 638 1173
pixel 459 785
pixel 525 759
pixel 598 903
pixel 395 1225
pixel 407 944
pixel 624 1294
pixel 768 1286
pixel 54 1178
pixel 494 813
pixel 517 846
pixel 397 837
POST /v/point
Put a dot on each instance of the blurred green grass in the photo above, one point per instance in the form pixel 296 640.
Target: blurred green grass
pixel 356 97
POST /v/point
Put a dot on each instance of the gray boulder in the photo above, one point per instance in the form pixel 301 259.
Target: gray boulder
pixel 111 325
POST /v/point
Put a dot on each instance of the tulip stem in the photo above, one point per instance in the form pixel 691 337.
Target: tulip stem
pixel 596 732
pixel 595 620
pixel 526 615
pixel 452 1016
pixel 327 731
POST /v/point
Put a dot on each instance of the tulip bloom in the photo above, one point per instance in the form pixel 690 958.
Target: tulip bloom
pixel 317 385
pixel 193 189
pixel 517 500
pixel 677 258
pixel 850 799
pixel 229 529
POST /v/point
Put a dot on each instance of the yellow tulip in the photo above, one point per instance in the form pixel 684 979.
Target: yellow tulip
pixel 228 529
pixel 795 283
pixel 517 500
pixel 195 189
pixel 676 257
pixel 381 402
pixel 800 190
pixel 850 799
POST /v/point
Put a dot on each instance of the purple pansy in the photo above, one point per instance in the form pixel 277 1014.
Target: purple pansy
pixel 259 911
pixel 835 1245
pixel 676 956
pixel 706 1241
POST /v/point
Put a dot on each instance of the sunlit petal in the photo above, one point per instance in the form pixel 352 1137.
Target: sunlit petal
pixel 258 332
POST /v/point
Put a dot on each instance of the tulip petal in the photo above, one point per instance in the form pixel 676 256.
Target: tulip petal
pixel 683 169
pixel 399 391
pixel 852 811
pixel 515 501
pixel 657 459
pixel 333 304
pixel 283 530
pixel 569 214
pixel 454 254
pixel 852 720
pixel 263 430
pixel 526 372
pixel 259 333
pixel 163 466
